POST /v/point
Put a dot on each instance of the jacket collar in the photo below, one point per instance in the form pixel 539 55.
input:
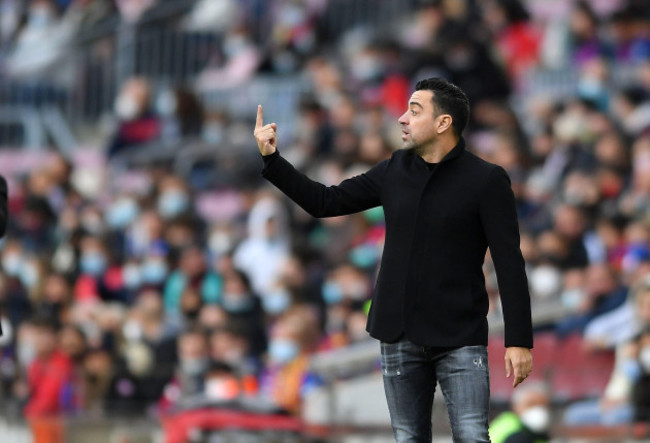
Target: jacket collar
pixel 455 152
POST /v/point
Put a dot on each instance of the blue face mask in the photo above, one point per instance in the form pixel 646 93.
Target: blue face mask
pixel 237 303
pixel 276 302
pixel 93 263
pixel 332 293
pixel 12 264
pixel 631 369
pixel 172 203
pixel 29 275
pixel 122 213
pixel 364 256
pixel 282 350
pixel 153 271
pixel 131 276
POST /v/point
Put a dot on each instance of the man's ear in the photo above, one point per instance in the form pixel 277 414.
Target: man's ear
pixel 444 123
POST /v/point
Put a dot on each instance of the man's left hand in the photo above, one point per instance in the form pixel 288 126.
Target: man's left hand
pixel 519 360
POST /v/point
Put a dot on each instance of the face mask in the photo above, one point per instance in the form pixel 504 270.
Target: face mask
pixel 126 107
pixel 154 271
pixel 537 418
pixel 233 46
pixel 332 293
pixel 132 330
pixel 213 133
pixel 122 213
pixel 219 242
pixel 364 256
pixel 40 18
pixel 631 369
pixel 166 104
pixel 545 281
pixel 131 276
pixel 172 203
pixel 12 263
pixel 572 298
pixel 367 68
pixel 276 302
pixel 26 353
pixel 192 366
pixel 29 275
pixel 644 359
pixel 237 303
pixel 93 263
pixel 93 225
pixel 282 351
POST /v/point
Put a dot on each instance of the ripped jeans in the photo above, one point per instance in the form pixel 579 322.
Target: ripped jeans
pixel 410 373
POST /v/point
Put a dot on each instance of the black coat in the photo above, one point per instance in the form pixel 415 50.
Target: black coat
pixel 4 212
pixel 438 226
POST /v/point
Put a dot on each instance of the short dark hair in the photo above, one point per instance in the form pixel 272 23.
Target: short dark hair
pixel 448 99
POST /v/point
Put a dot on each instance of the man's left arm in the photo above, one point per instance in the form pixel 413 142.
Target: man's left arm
pixel 499 218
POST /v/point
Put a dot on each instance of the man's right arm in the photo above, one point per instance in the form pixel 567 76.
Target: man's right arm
pixel 352 195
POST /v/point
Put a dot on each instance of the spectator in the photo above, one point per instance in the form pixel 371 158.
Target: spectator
pixel 137 125
pixel 267 242
pixel 49 375
pixel 287 378
pixel 530 419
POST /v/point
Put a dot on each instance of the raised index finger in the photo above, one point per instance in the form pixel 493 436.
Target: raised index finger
pixel 259 121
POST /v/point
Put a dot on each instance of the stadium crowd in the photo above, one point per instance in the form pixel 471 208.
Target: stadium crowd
pixel 132 293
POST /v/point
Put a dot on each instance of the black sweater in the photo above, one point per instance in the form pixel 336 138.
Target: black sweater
pixel 439 223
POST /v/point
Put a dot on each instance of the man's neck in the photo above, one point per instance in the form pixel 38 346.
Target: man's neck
pixel 435 151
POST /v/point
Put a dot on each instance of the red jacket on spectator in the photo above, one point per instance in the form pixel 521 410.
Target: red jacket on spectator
pixel 47 379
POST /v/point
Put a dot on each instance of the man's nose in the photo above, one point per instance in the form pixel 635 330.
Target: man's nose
pixel 403 119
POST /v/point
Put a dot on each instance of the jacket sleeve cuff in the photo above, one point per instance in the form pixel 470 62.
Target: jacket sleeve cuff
pixel 268 160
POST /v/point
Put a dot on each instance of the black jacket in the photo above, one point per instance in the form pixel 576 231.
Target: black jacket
pixel 438 226
pixel 4 212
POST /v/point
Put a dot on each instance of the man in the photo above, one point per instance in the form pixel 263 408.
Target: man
pixel 443 206
pixel 529 420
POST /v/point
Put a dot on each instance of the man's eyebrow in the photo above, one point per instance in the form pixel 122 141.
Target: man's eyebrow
pixel 417 104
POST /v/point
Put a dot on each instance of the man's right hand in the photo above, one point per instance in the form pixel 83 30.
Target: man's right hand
pixel 265 135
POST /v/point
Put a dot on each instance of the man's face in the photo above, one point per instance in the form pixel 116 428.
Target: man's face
pixel 420 126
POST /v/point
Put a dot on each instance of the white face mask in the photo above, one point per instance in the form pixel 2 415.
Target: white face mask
pixel 537 418
pixel 644 359
pixel 126 107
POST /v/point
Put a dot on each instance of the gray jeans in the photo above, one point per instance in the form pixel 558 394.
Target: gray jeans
pixel 410 373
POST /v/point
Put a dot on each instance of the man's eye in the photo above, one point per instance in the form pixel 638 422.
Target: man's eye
pixel 413 112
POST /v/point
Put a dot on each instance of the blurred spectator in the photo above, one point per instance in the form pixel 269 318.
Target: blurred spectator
pixel 244 306
pixel 267 242
pixel 137 124
pixel 49 375
pixel 602 294
pixel 622 324
pixel 614 407
pixel 530 419
pixel 287 378
pixel 191 285
pixel 180 112
pixel 239 62
pixel 193 363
